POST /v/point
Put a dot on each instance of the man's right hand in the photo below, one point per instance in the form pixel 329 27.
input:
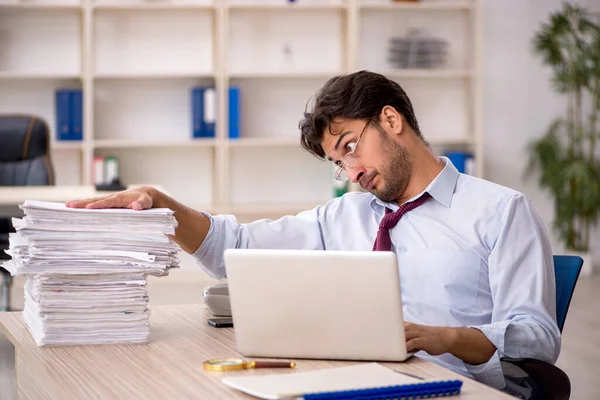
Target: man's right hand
pixel 193 226
pixel 137 199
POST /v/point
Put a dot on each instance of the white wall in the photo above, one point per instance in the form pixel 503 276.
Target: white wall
pixel 519 103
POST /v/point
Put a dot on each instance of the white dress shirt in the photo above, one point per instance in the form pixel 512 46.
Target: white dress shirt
pixel 474 255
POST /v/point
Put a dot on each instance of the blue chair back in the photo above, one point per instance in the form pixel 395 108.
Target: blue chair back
pixel 566 271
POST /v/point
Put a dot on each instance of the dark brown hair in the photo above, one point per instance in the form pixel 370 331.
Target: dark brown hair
pixel 360 95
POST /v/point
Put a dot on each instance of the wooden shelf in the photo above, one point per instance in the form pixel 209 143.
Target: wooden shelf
pixel 140 143
pixel 153 6
pixel 429 73
pixel 265 142
pixel 450 141
pixel 284 75
pixel 154 75
pixel 5 75
pixel 39 6
pixel 66 145
pixel 417 6
pixel 286 7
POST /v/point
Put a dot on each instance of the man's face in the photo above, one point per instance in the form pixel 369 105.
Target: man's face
pixel 383 165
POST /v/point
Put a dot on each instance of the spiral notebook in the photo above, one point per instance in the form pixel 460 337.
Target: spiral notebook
pixel 365 381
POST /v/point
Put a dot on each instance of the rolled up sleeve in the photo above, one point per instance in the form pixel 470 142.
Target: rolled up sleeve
pixel 298 232
pixel 522 284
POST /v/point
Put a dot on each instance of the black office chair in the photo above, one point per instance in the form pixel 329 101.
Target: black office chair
pixel 535 379
pixel 24 161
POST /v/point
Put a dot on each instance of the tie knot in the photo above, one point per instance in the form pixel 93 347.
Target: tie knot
pixel 391 218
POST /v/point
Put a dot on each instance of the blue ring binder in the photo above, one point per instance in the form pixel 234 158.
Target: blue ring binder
pixel 402 392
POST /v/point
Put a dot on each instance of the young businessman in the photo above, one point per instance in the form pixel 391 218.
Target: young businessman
pixel 477 275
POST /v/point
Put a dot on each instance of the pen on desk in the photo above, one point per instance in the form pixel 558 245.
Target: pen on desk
pixel 407 374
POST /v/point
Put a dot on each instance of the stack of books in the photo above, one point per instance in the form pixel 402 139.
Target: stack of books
pixel 87 270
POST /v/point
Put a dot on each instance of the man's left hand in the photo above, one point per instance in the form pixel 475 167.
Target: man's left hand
pixel 468 344
pixel 435 340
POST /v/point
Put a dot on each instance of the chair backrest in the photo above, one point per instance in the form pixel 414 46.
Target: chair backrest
pixel 24 153
pixel 566 271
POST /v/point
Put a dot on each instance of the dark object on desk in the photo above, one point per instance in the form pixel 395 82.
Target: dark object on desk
pixel 216 299
pixel 540 379
pixel 24 161
pixel 114 186
pixel 221 322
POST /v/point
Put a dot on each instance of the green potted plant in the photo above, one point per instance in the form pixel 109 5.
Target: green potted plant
pixel 566 157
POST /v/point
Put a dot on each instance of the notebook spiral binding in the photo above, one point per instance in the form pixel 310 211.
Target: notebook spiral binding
pixel 425 390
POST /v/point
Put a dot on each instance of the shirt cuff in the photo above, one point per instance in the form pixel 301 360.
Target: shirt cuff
pixel 205 255
pixel 490 372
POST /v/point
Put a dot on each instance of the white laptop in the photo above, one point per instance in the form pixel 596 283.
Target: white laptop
pixel 337 305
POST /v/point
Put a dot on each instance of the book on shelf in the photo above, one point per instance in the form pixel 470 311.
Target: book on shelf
pixel 204 112
pixel 69 114
pixel 234 112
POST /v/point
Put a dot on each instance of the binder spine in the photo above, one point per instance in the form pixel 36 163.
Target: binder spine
pixel 234 112
pixel 413 391
pixel 210 112
pixel 197 112
pixel 63 119
pixel 76 114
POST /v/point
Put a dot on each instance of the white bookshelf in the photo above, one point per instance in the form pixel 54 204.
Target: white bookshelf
pixel 137 61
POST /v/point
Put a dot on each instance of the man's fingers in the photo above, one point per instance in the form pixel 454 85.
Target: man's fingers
pixel 414 344
pixel 142 202
pixel 410 334
pixel 83 202
pixel 108 202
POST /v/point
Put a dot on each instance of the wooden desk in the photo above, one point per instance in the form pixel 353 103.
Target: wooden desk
pixel 169 367
pixel 15 195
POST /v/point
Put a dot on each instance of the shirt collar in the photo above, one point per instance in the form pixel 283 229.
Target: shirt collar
pixel 441 188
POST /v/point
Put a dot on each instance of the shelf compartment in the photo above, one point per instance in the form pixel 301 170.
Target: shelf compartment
pixel 278 42
pixel 268 111
pixel 376 29
pixel 66 165
pixel 40 43
pixel 34 97
pixel 185 173
pixel 269 175
pixel 143 42
pixel 138 111
pixel 442 109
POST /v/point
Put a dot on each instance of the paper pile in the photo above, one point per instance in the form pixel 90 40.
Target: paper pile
pixel 87 270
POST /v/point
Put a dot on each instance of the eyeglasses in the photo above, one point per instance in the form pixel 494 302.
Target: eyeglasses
pixel 350 159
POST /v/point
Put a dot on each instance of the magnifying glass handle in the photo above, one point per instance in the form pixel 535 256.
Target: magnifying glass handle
pixel 272 364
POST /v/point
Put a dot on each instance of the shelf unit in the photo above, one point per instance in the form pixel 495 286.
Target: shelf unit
pixel 137 60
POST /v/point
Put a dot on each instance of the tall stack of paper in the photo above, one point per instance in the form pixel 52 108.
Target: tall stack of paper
pixel 87 270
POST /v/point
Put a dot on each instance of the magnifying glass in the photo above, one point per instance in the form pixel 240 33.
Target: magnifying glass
pixel 232 364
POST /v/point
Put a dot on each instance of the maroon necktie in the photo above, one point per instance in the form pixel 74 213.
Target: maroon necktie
pixel 383 242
